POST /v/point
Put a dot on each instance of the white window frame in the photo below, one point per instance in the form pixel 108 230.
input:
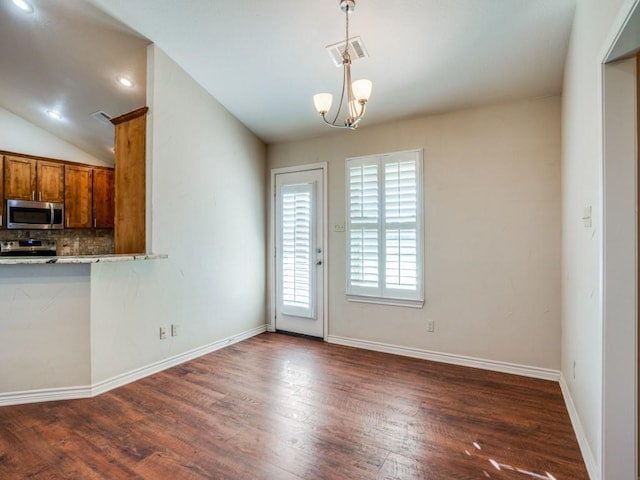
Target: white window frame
pixel 383 294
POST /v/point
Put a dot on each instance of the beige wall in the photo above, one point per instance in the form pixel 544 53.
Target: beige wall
pixel 582 140
pixel 206 181
pixel 492 217
pixel 44 327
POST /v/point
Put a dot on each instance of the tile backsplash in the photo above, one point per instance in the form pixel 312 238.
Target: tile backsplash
pixel 70 242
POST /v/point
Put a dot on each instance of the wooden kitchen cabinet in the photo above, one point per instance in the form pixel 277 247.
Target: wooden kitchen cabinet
pixel 130 179
pixel 50 182
pixel 103 198
pixel 30 179
pixel 78 196
pixel 19 178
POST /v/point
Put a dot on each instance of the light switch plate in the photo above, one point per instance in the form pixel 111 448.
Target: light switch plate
pixel 339 227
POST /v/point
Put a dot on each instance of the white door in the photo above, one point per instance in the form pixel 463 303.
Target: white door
pixel 299 253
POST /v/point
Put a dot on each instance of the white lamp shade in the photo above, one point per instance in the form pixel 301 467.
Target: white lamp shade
pixel 362 89
pixel 322 102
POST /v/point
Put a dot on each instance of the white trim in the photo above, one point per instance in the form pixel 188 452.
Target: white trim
pixel 44 395
pixel 138 373
pixel 271 272
pixel 73 393
pixel 394 302
pixel 619 24
pixel 583 442
pixel 618 454
pixel 465 361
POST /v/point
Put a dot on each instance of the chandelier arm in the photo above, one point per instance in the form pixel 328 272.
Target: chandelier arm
pixel 333 125
pixel 351 112
pixel 341 96
pixel 356 120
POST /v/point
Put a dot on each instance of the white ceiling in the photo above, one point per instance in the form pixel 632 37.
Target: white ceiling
pixel 264 60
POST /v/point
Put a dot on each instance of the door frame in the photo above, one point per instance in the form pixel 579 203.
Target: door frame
pixel 619 261
pixel 271 266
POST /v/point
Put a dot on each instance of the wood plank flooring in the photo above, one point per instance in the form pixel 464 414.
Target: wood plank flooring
pixel 281 407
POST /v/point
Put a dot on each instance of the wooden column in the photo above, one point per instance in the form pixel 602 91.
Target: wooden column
pixel 130 181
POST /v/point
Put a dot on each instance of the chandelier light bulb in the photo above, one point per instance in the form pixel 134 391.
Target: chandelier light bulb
pixel 323 102
pixel 362 89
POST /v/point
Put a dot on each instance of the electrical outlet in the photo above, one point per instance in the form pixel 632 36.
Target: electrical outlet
pixel 430 325
pixel 163 333
pixel 174 330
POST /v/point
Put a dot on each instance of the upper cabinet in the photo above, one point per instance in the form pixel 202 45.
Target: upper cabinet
pixel 19 178
pixel 50 182
pixel 29 179
pixel 78 201
pixel 88 192
pixel 103 198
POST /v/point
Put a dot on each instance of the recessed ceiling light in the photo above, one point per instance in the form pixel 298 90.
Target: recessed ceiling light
pixel 124 81
pixel 23 5
pixel 55 115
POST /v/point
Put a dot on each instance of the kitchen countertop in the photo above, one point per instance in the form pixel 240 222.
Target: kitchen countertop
pixel 67 260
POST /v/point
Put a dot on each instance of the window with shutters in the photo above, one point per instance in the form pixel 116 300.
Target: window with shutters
pixel 384 228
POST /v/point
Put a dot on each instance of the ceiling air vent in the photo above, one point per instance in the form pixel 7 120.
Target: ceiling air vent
pixel 102 117
pixel 357 50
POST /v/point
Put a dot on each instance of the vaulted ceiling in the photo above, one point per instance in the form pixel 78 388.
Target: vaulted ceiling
pixel 264 60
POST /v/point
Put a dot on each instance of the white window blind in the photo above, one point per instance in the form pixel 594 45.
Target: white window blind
pixel 297 250
pixel 384 227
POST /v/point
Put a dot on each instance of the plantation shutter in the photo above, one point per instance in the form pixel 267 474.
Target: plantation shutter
pixel 384 227
pixel 364 227
pixel 297 250
pixel 401 223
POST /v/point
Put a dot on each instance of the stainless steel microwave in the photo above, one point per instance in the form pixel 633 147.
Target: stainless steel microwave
pixel 27 214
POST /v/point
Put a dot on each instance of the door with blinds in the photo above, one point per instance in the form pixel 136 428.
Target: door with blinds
pixel 299 253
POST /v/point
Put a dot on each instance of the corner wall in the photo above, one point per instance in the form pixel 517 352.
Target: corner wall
pixel 492 218
pixel 582 180
pixel 206 183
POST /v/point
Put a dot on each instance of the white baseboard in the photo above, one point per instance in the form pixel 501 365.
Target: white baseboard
pixel 504 367
pixel 585 449
pixel 72 393
pixel 44 395
pixel 137 374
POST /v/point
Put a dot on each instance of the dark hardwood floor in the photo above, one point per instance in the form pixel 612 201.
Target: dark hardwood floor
pixel 280 407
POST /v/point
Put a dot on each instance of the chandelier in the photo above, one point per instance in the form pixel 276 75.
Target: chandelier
pixel 357 93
